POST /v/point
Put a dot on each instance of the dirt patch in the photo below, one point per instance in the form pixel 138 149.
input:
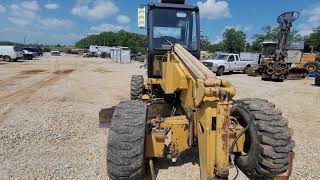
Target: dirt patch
pixel 21 96
pixel 101 70
pixel 35 71
pixel 66 71
pixel 20 76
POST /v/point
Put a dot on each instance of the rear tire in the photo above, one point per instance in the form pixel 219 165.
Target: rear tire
pixel 246 70
pixel 312 66
pixel 317 81
pixel 7 58
pixel 220 71
pixel 268 141
pixel 137 86
pixel 125 154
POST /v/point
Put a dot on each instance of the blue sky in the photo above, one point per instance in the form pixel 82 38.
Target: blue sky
pixel 67 21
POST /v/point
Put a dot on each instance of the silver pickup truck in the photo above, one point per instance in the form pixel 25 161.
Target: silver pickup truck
pixel 225 62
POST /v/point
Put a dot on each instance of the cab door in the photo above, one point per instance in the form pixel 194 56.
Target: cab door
pixel 238 63
pixel 231 62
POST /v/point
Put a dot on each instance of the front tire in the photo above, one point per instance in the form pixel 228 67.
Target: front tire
pixel 125 154
pixel 7 58
pixel 317 81
pixel 268 141
pixel 220 71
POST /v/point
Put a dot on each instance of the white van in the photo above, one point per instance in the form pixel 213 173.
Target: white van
pixel 11 53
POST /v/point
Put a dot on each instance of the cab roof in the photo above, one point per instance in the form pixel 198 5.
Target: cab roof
pixel 173 6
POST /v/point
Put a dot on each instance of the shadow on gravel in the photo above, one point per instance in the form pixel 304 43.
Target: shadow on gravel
pixel 315 85
pixel 188 156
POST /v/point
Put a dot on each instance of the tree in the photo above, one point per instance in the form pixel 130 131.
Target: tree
pixel 234 41
pixel 313 40
pixel 217 47
pixel 271 33
pixel 204 43
pixel 136 42
pixel 295 36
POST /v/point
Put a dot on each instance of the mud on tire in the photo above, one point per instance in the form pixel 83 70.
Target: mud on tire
pixel 268 140
pixel 125 148
pixel 137 86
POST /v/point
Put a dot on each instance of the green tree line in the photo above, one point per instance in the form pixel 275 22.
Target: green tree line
pixel 136 42
pixel 234 41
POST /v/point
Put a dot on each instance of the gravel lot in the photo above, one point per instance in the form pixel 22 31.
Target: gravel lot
pixel 49 118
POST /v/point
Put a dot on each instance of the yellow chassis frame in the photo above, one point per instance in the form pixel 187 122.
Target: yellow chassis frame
pixel 208 101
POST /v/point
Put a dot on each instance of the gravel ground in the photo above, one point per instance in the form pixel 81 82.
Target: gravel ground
pixel 49 118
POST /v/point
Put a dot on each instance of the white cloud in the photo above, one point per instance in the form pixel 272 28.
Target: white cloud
pixel 94 9
pixel 2 9
pixel 122 19
pixel 68 36
pixel 52 6
pixel 55 23
pixel 214 9
pixel 24 13
pixel 30 5
pixel 106 27
pixel 312 19
pixel 240 27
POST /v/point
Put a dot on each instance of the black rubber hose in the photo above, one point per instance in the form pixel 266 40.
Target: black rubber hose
pixel 244 114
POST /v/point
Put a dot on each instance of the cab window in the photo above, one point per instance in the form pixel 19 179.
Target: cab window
pixel 231 58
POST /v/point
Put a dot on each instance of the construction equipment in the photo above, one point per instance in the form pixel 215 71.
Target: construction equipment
pixel 317 80
pixel 274 66
pixel 182 105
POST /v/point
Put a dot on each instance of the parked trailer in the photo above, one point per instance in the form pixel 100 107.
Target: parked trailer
pixel 100 49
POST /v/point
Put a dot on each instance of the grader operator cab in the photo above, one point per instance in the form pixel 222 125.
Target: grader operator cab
pixel 181 105
pixel 170 24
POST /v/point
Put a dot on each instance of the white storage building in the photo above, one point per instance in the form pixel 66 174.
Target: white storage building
pixel 121 54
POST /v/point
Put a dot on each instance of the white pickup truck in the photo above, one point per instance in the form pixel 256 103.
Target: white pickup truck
pixel 225 62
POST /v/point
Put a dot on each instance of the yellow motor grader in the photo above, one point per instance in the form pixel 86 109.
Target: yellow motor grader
pixel 181 105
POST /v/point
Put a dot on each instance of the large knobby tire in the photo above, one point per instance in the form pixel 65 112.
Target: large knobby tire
pixel 268 141
pixel 312 66
pixel 125 153
pixel 220 71
pixel 137 86
pixel 317 81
